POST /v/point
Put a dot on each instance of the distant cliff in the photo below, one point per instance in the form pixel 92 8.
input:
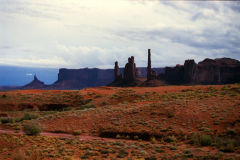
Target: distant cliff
pixel 208 71
pixel 87 77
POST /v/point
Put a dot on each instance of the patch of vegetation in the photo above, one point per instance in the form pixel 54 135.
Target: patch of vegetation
pixel 122 154
pixel 86 106
pixel 77 132
pixel 32 129
pixel 29 116
pixel 203 140
pixel 5 120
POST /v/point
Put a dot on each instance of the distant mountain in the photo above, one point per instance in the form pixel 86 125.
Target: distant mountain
pixel 19 76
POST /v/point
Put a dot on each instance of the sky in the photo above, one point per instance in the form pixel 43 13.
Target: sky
pixel 94 33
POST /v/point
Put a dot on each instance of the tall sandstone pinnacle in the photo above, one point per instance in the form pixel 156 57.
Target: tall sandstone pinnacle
pixel 149 67
pixel 117 75
pixel 151 74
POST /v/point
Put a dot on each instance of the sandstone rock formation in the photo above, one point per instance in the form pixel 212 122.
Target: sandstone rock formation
pixel 130 71
pixel 130 75
pixel 82 78
pixel 117 74
pixel 35 84
pixel 152 80
pixel 209 71
pixel 173 75
pixel 190 68
pixel 151 74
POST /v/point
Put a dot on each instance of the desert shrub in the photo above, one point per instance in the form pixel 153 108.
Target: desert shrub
pixel 187 154
pixel 77 132
pixel 18 128
pixel 86 106
pixel 104 103
pixel 29 116
pixel 4 96
pixel 122 153
pixel 231 132
pixel 7 120
pixel 31 129
pixel 67 109
pixel 205 140
pixel 170 114
pixel 228 148
pixel 153 139
pixel 118 136
pixel 172 148
pixel 170 139
pixel 18 119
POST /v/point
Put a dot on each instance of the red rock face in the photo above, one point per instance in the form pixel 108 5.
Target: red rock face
pixel 82 78
pixel 190 68
pixel 209 71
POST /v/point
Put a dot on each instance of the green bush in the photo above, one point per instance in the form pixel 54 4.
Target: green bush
pixel 229 148
pixel 32 129
pixel 7 120
pixel 205 140
pixel 86 106
pixel 29 116
pixel 77 132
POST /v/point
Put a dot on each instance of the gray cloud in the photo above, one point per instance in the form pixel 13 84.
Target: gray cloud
pixel 76 34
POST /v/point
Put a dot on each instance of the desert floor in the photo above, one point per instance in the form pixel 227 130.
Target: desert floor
pixel 168 122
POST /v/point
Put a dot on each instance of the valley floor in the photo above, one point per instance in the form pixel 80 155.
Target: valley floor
pixel 169 122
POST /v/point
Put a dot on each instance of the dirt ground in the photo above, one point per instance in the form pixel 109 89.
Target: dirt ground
pixel 168 122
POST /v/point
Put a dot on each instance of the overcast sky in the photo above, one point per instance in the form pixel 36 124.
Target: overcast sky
pixel 95 33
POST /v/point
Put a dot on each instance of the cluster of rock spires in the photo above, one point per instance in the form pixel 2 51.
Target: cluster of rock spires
pixel 131 75
pixel 217 71
pixel 208 71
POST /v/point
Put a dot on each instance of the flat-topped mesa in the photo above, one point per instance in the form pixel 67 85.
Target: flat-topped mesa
pixel 130 70
pixel 151 74
pixel 117 75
